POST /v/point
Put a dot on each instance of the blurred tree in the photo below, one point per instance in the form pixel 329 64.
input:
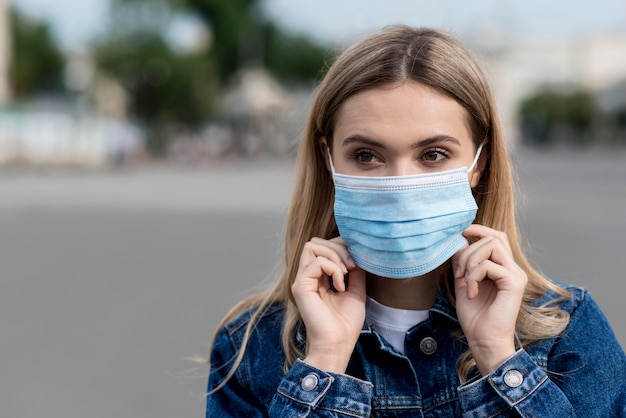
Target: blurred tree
pixel 580 110
pixel 236 27
pixel 37 64
pixel 536 115
pixel 618 118
pixel 242 35
pixel 166 87
pixel 548 111
pixel 292 57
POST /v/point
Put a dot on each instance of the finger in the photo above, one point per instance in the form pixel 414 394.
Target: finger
pixel 457 268
pixel 488 248
pixel 315 277
pixel 503 278
pixel 356 281
pixel 321 248
pixel 341 248
pixel 471 253
pixel 481 231
pixel 486 270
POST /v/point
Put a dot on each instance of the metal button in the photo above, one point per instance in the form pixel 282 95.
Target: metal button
pixel 309 382
pixel 428 346
pixel 513 378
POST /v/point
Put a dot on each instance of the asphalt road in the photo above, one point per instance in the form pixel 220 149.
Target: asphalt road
pixel 111 280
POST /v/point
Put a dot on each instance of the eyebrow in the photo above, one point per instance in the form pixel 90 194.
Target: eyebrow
pixel 419 144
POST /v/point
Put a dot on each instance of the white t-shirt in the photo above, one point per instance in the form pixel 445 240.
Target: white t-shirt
pixel 392 323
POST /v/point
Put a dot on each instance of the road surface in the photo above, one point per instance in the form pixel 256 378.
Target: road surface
pixel 112 279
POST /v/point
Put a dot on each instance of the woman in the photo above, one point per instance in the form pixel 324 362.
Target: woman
pixel 405 291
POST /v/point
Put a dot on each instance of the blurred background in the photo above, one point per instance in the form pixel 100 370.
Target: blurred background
pixel 146 153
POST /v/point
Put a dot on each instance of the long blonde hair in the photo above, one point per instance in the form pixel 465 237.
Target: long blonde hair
pixel 391 56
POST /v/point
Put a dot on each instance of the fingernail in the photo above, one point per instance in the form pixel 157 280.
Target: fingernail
pixel 344 268
pixel 351 262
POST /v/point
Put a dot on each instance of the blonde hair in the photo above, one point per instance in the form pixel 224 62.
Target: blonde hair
pixel 393 56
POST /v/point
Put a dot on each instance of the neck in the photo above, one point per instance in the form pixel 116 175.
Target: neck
pixel 416 293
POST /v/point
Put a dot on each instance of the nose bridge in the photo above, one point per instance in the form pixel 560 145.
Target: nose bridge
pixel 404 166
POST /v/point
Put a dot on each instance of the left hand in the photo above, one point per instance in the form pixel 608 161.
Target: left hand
pixel 489 287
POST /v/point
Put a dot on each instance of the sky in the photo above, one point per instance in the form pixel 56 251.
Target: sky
pixel 342 21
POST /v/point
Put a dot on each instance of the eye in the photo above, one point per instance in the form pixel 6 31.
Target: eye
pixel 434 155
pixel 364 156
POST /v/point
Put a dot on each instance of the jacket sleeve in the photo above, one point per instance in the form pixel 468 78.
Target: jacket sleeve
pixel 304 391
pixel 584 375
pixel 315 393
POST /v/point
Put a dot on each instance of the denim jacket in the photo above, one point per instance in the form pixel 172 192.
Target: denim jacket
pixel 580 373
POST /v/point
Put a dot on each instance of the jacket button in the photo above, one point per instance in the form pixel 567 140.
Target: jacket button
pixel 428 346
pixel 309 383
pixel 513 378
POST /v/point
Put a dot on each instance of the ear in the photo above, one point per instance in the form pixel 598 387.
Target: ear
pixel 323 144
pixel 481 165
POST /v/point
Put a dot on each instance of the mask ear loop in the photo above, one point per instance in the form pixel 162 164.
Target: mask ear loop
pixel 476 157
pixel 330 160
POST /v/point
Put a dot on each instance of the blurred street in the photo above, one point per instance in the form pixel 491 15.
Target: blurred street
pixel 112 279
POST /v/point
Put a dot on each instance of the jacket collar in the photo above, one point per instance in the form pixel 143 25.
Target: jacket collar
pixel 443 308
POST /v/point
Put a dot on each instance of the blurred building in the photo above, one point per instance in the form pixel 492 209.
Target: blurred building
pixel 256 117
pixel 59 137
pixel 86 128
pixel 254 106
pixel 519 68
pixel 603 61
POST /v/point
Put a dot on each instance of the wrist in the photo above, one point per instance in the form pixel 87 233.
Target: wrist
pixel 330 360
pixel 489 358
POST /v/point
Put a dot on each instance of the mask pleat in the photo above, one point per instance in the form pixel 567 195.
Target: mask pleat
pixel 403 226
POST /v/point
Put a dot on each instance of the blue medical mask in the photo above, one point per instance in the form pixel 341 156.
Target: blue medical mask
pixel 404 226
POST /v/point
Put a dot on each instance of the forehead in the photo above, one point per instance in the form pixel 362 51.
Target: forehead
pixel 409 111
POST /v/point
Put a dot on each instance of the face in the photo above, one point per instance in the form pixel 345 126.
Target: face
pixel 402 130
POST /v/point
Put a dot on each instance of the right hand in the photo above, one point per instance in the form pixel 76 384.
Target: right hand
pixel 333 318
